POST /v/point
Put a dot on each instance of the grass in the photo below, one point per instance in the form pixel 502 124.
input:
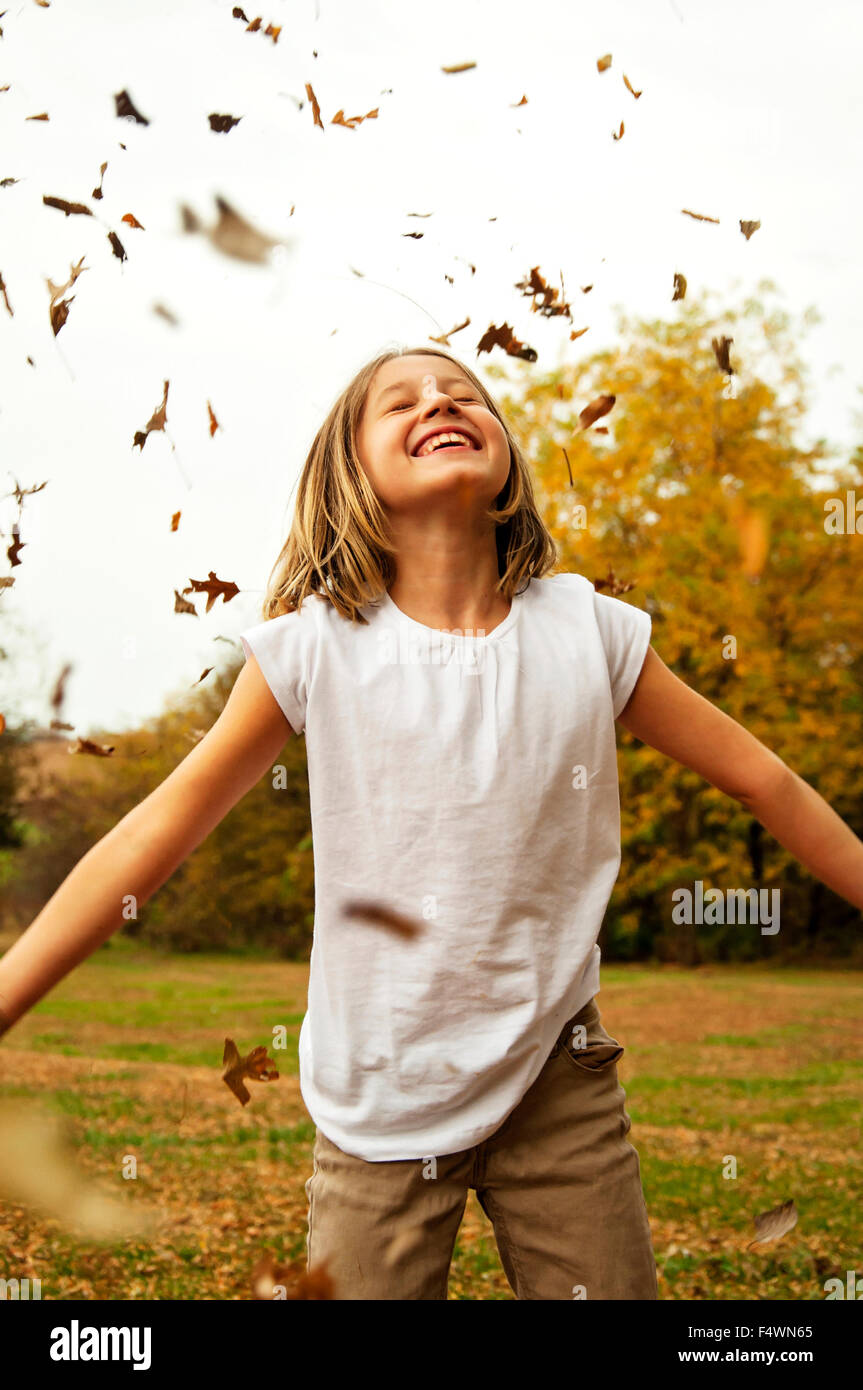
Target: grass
pixel 742 1084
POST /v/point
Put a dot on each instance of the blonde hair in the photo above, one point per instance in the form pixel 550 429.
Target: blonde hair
pixel 339 544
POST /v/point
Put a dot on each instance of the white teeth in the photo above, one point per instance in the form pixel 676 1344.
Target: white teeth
pixel 451 436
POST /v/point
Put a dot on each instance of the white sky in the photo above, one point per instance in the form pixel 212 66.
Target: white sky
pixel 749 110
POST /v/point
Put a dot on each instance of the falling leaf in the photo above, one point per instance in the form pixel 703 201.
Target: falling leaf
pixel 5 296
pixel 444 338
pixel 619 134
pixel 182 605
pixel 298 1282
pixel 523 102
pixel 157 421
pixel 257 1066
pixel 379 915
pixel 214 588
pixel 39 1169
pixel 774 1224
pixel 534 285
pixel 568 469
pixel 97 191
pixel 126 108
pixel 175 520
pixel 353 121
pixel 68 208
pixel 59 309
pixel 459 67
pixel 117 246
pixel 165 314
pixel 504 337
pixel 630 88
pixel 598 407
pixel 86 745
pixel 316 110
pixel 13 549
pixel 699 216
pixel 720 351
pixel 415 235
pixel 132 220
pixel 203 674
pixel 214 424
pixel 58 694
pixel 679 287
pixel 577 333
pixel 232 234
pixel 614 586
pixel 43 117
pixel 223 124
pixel 747 228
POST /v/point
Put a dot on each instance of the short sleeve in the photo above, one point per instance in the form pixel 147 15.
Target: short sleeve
pixel 281 648
pixel 625 632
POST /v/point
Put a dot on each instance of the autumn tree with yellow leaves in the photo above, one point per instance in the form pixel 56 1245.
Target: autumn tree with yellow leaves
pixel 703 499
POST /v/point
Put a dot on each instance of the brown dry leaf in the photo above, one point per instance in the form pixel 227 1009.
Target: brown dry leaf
pixel 444 338
pixel 618 135
pixel 2 723
pixel 86 745
pixel 577 333
pixel 504 337
pixel 223 124
pixel 58 694
pixel 679 286
pixel 534 285
pixel 459 67
pixel 43 116
pixel 379 915
pixel 68 208
pixel 166 314
pixel 39 1169
pixel 97 191
pixel 214 424
pixel 232 234
pixel 5 296
pixel 353 121
pixel 630 88
pixel 117 246
pixel 774 1224
pixel 297 1282
pixel 598 407
pixel 204 673
pixel 126 108
pixel 13 549
pixel 523 102
pixel 747 228
pixel 214 588
pixel 182 605
pixel 175 520
pixel 157 420
pixel 316 110
pixel 602 64
pixel 59 310
pixel 699 216
pixel 720 351
pixel 132 220
pixel 256 1066
pixel 613 584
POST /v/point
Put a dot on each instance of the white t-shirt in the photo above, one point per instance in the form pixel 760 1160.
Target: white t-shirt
pixel 469 782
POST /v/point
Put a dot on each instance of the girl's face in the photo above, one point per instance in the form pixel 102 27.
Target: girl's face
pixel 409 401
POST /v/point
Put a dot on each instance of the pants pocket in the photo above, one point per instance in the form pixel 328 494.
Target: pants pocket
pixel 587 1045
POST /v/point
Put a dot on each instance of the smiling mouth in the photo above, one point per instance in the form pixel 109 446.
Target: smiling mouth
pixel 467 443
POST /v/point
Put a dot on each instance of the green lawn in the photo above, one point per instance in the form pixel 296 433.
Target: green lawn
pixel 743 1085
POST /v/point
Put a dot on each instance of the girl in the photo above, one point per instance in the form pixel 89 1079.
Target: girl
pixel 459 708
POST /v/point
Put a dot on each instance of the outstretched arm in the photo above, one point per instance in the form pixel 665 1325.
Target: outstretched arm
pixel 674 719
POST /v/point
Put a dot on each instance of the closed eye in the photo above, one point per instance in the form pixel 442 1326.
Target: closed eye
pixel 469 400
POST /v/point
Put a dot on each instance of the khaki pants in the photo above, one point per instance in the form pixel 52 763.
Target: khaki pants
pixel 558 1180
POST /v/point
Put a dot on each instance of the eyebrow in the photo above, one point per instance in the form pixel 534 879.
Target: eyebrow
pixel 407 386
